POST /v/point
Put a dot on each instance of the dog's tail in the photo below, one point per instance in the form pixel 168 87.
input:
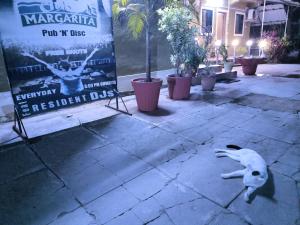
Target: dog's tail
pixel 234 147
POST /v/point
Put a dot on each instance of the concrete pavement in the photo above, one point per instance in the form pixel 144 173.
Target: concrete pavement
pixel 159 168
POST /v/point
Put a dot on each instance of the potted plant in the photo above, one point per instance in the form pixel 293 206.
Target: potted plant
pixel 175 21
pixel 208 77
pixel 207 74
pixel 195 59
pixel 139 18
pixel 249 64
pixel 224 53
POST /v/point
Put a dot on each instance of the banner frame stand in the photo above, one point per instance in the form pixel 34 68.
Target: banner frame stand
pixel 18 126
pixel 117 108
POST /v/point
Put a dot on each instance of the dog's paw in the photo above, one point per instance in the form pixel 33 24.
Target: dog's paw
pixel 246 197
pixel 224 175
pixel 219 154
pixel 216 150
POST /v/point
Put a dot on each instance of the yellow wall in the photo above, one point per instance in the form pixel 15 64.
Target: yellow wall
pixel 241 49
pixel 237 7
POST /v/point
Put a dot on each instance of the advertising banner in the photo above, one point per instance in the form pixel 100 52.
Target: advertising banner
pixel 58 53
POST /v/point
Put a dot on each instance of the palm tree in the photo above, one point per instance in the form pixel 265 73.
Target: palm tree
pixel 53 2
pixel 138 17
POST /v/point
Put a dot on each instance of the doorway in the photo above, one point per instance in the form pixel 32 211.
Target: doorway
pixel 221 26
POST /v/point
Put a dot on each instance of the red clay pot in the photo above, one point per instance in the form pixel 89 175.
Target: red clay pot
pixel 147 93
pixel 249 65
pixel 179 87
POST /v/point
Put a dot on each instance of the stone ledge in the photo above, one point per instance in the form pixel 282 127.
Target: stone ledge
pixel 226 75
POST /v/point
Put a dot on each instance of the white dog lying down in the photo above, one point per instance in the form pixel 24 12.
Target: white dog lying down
pixel 254 175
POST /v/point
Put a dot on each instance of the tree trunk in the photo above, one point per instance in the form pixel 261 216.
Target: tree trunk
pixel 148 47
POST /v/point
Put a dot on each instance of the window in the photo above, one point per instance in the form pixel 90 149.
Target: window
pixel 207 20
pixel 239 24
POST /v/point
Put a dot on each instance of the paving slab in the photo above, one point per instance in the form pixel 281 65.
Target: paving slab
pixel 275 86
pixel 77 217
pixel 291 158
pixel 167 110
pixel 162 219
pixel 267 102
pixel 210 97
pixel 121 163
pixel 111 205
pixel 155 145
pixel 279 204
pixel 296 177
pixel 175 194
pixel 227 91
pixel 197 212
pixel 73 164
pixel 148 210
pixel 202 173
pixel 225 218
pixel 36 199
pixel 284 169
pixel 173 167
pixel 194 120
pixel 92 182
pixel 118 128
pixel 205 133
pixel 233 117
pixel 42 124
pixel 17 161
pixel 127 218
pixel 58 147
pixel 143 189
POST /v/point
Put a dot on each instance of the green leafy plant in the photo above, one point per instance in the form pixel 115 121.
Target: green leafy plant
pixel 196 57
pixel 175 22
pixel 139 18
pixel 223 52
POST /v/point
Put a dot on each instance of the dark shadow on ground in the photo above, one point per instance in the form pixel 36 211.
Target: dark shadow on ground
pixel 267 191
pixel 159 112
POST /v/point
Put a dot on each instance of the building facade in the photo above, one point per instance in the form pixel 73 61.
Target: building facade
pixel 228 21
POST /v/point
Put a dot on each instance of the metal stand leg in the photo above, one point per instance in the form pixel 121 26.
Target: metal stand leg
pixel 18 126
pixel 117 108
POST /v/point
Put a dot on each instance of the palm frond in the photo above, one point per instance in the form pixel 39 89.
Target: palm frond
pixel 116 9
pixel 123 2
pixel 136 24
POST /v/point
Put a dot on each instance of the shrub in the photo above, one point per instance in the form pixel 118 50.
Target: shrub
pixel 278 47
pixel 176 21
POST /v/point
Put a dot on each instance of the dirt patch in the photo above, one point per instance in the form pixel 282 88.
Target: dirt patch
pixel 266 102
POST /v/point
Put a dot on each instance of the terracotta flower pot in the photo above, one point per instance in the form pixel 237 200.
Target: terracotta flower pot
pixel 208 83
pixel 147 93
pixel 179 87
pixel 249 65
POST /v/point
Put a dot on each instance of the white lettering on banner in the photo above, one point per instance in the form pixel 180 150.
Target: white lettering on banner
pixel 54 52
pixel 76 51
pixel 99 95
pixel 60 18
pixel 100 84
pixel 44 106
pixel 36 94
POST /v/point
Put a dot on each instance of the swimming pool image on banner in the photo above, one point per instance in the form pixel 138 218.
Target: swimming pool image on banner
pixel 58 53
